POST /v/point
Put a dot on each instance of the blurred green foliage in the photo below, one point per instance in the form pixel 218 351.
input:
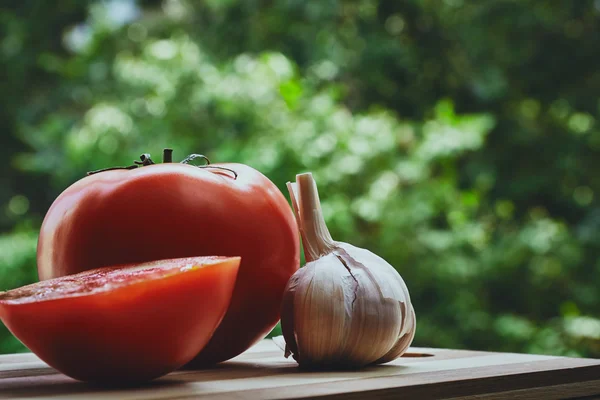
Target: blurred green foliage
pixel 458 140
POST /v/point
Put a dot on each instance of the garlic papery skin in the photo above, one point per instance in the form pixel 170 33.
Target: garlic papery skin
pixel 347 307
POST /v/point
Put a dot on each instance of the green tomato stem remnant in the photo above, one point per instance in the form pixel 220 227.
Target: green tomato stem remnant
pixel 146 160
pixel 167 155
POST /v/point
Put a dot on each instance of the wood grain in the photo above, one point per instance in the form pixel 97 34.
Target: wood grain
pixel 263 373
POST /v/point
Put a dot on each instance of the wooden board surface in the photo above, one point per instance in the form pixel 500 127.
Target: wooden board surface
pixel 263 373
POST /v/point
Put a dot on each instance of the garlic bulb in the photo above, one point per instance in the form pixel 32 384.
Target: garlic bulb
pixel 347 307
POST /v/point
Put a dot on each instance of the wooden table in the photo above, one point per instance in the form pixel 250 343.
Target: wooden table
pixel 263 373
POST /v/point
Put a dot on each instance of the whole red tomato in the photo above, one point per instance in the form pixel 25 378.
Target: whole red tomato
pixel 174 210
pixel 123 324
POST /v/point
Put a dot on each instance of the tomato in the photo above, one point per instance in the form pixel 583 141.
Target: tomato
pixel 125 323
pixel 178 210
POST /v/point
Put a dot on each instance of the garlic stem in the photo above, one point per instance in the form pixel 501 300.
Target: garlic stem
pixel 316 238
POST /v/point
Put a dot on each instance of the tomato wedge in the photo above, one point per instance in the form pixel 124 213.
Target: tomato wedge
pixel 125 323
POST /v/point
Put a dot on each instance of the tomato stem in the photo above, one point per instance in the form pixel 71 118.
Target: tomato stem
pixel 192 157
pixel 235 175
pixel 145 160
pixel 111 169
pixel 167 155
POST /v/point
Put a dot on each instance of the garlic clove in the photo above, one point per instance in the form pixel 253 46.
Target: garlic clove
pixel 403 342
pixel 320 306
pixel 379 305
pixel 288 326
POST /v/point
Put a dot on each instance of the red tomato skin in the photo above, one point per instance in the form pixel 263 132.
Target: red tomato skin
pixel 133 333
pixel 176 210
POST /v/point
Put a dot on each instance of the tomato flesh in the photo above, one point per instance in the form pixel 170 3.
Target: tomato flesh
pixel 125 323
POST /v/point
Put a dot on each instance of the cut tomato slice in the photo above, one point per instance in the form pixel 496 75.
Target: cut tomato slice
pixel 125 323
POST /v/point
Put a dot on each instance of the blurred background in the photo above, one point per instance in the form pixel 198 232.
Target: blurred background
pixel 457 139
